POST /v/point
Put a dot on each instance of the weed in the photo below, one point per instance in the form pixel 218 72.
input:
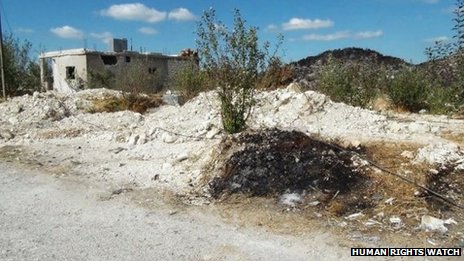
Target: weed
pixel 133 102
pixel 190 81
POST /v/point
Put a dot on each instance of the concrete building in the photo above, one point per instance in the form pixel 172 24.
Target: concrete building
pixel 71 70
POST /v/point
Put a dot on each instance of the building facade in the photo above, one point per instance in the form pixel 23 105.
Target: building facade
pixel 72 70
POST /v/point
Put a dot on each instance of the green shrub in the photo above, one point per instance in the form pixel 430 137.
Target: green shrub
pixel 439 100
pixel 104 79
pixel 190 81
pixel 232 60
pixel 408 90
pixel 352 83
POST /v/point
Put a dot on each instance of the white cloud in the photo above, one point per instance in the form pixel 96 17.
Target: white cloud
pixel 147 30
pixel 327 37
pixel 68 32
pixel 437 39
pixel 104 37
pixel 298 23
pixel 343 35
pixel 368 34
pixel 181 14
pixel 135 12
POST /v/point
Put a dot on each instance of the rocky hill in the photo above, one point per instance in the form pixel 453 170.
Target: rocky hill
pixel 306 69
pixel 350 55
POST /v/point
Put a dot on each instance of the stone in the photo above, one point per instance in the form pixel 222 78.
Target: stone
pixel 168 138
pixel 212 133
pixel 417 127
pixel 408 154
pixel 133 139
pixel 6 134
pixel 395 220
pixel 142 139
pixel 294 87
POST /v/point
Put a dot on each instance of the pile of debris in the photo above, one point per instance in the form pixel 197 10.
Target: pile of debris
pixel 274 162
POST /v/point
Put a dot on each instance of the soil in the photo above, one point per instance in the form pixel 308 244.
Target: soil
pixel 302 166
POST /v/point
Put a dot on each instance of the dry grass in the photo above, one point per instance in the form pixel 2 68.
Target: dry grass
pixel 133 102
pixel 456 138
pixel 409 203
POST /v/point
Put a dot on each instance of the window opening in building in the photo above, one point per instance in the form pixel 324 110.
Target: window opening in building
pixel 109 59
pixel 128 59
pixel 151 70
pixel 70 72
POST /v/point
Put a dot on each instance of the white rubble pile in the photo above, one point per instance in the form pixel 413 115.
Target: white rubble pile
pixel 442 154
pixel 169 146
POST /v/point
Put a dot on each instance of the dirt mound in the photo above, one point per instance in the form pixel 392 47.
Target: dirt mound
pixel 273 162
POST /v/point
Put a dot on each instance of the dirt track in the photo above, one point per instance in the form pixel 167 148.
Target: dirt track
pixel 46 218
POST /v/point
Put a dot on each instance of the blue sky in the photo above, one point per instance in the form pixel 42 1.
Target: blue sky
pixel 402 28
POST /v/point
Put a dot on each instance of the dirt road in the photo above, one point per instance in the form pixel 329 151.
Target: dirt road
pixel 47 218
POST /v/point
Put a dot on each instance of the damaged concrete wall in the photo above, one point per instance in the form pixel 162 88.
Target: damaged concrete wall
pixel 69 73
pixel 72 69
pixel 176 64
pixel 129 64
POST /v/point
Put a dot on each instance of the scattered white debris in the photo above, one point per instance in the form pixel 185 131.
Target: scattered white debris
pixel 389 201
pixel 440 153
pixel 395 220
pixel 354 216
pixel 408 154
pixel 291 199
pixel 380 215
pixel 429 223
pixel 314 203
pixel 371 222
pixel 154 144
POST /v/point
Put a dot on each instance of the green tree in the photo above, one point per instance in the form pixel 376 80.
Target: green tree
pixel 232 60
pixel 22 74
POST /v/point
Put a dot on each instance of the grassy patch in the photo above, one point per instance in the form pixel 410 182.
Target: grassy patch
pixel 134 102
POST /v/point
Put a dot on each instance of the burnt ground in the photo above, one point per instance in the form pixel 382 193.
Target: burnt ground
pixel 334 184
pixel 274 162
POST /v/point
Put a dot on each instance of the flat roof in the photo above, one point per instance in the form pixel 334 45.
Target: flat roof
pixel 83 51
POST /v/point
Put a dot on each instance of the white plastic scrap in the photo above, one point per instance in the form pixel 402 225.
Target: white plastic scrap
pixel 429 223
pixel 354 216
pixel 395 220
pixel 389 201
pixel 291 199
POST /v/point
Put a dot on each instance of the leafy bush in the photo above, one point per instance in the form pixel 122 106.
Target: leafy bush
pixel 408 90
pixel 190 81
pixel 104 79
pixel 354 83
pixel 232 60
pixel 439 100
